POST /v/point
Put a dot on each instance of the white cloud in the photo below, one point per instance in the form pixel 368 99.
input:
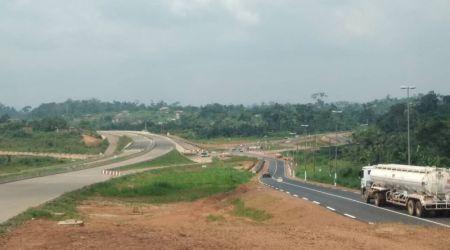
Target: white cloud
pixel 235 8
pixel 240 12
pixel 358 21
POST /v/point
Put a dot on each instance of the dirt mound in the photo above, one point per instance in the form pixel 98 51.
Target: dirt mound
pixel 91 141
pixel 294 224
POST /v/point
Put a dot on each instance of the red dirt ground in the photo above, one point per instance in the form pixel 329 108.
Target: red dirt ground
pixel 296 224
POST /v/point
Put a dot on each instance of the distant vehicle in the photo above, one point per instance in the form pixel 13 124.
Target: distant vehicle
pixel 279 179
pixel 204 154
pixel 266 175
pixel 421 190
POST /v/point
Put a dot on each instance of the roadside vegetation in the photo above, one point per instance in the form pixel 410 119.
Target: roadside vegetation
pixel 172 158
pixel 320 167
pixel 51 135
pixel 20 164
pixel 174 184
pixel 50 142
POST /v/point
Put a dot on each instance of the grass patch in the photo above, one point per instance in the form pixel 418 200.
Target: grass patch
pixel 239 159
pixel 324 168
pixel 122 143
pixel 168 185
pixel 214 218
pixel 255 214
pixel 21 164
pixel 50 142
pixel 172 158
pixel 173 184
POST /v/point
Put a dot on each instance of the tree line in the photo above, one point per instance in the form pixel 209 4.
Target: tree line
pixel 380 125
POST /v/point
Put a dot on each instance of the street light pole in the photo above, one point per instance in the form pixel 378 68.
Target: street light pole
pixel 306 145
pixel 335 148
pixel 408 103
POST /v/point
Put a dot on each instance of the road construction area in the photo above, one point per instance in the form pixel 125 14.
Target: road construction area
pixel 210 224
pixel 18 196
pixel 276 212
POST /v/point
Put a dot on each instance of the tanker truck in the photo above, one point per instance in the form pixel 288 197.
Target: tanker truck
pixel 421 190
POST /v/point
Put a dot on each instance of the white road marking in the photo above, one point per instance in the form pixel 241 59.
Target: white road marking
pixel 370 205
pixel 306 199
pixel 332 209
pixel 316 202
pixel 360 202
pixel 350 216
pixel 295 195
pixel 287 192
pixel 281 190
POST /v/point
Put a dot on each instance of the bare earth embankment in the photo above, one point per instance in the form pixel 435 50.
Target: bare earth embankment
pixel 210 223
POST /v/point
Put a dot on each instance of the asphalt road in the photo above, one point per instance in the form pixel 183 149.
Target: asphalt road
pixel 342 202
pixel 16 197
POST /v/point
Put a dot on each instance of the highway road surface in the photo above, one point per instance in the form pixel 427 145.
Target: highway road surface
pixel 346 203
pixel 16 197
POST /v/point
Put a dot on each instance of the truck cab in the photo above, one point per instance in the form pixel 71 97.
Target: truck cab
pixel 364 174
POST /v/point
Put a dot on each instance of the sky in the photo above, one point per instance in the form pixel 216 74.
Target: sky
pixel 226 51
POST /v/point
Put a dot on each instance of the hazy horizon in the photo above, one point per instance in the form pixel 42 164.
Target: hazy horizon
pixel 226 51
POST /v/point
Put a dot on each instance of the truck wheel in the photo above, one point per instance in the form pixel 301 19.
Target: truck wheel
pixel 410 206
pixel 379 199
pixel 420 211
pixel 365 196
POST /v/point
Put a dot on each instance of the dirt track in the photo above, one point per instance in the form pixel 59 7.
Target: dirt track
pixel 295 224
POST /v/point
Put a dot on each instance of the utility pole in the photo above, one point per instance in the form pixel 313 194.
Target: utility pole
pixel 408 103
pixel 335 148
pixel 314 152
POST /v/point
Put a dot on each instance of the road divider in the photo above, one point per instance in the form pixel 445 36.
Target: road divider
pixel 111 172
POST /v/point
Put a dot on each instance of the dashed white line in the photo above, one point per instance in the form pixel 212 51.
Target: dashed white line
pixel 281 190
pixel 295 195
pixel 332 209
pixel 350 216
pixel 287 192
pixel 306 199
pixel 316 202
pixel 370 205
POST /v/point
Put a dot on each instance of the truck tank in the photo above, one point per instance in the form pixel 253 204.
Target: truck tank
pixel 412 179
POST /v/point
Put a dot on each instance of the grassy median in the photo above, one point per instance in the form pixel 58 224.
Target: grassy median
pixel 172 158
pixel 184 183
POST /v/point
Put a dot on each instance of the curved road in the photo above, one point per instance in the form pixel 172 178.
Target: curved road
pixel 342 202
pixel 16 197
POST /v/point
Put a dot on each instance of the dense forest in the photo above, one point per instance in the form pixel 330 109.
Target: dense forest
pixel 386 139
pixel 380 125
pixel 213 120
